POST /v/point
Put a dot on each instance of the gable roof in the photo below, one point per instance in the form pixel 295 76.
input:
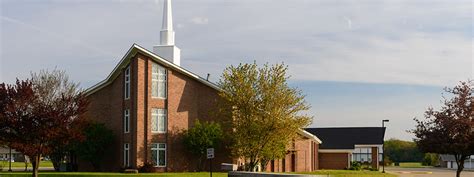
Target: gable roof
pixel 348 137
pixel 139 49
pixel 306 134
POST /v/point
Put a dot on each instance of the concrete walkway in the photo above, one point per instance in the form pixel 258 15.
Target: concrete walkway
pixel 426 172
pixel 29 169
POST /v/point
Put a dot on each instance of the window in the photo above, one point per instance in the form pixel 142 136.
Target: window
pixel 158 81
pixel 126 155
pixel 126 121
pixel 158 120
pixel 127 83
pixel 158 154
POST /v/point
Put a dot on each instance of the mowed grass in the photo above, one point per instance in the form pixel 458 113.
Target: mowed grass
pixel 351 173
pixel 96 174
pixel 5 164
pixel 336 173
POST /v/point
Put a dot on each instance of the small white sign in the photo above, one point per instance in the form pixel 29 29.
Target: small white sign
pixel 210 153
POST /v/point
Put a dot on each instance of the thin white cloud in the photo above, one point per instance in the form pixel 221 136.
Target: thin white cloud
pixel 349 22
pixel 200 20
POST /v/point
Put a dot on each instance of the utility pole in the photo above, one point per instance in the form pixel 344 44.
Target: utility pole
pixel 383 147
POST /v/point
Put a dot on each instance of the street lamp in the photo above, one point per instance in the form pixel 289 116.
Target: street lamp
pixel 383 147
pixel 10 160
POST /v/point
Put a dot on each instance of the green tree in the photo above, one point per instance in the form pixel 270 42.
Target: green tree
pixel 430 159
pixel 200 137
pixel 94 147
pixel 449 130
pixel 402 151
pixel 266 112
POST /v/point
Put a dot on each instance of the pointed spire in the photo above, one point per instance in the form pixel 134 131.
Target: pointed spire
pixel 167 16
pixel 167 33
pixel 166 48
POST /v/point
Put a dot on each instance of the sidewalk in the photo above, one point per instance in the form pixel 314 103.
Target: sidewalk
pixel 29 169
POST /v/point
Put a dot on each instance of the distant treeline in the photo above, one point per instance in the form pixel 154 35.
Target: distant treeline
pixel 407 151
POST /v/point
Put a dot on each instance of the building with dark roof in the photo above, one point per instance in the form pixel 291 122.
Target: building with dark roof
pixel 342 145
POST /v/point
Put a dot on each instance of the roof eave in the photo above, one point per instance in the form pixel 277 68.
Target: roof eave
pixel 134 49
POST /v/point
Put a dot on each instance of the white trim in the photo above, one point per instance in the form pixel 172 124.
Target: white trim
pixel 125 60
pixel 157 149
pixel 336 150
pixel 158 67
pixel 158 115
pixel 309 135
pixel 368 145
pixel 126 121
pixel 126 153
pixel 127 83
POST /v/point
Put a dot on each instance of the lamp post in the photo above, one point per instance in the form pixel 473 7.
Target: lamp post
pixel 383 147
pixel 10 160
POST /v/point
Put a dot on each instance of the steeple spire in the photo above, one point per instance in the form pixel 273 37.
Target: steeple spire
pixel 166 48
pixel 167 33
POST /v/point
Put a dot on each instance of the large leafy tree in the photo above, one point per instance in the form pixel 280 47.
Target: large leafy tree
pixel 200 137
pixel 266 112
pixel 450 130
pixel 50 87
pixel 34 124
pixel 402 151
pixel 93 149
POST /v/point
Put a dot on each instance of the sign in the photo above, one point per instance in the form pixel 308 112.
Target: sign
pixel 210 153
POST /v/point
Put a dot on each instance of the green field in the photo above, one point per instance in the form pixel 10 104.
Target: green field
pixel 91 174
pixel 337 173
pixel 22 164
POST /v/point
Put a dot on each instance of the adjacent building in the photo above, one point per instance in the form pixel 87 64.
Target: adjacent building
pixel 343 145
pixel 448 161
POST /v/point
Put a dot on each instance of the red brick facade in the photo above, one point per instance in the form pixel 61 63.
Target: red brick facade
pixel 334 160
pixel 187 100
pixel 302 156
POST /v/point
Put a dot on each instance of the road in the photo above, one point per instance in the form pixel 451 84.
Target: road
pixel 427 172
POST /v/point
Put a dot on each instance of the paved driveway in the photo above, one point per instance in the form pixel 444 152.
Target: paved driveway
pixel 427 172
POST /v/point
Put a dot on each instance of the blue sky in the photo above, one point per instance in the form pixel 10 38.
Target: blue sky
pixel 357 61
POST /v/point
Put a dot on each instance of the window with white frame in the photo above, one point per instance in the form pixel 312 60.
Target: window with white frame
pixel 127 83
pixel 158 154
pixel 158 120
pixel 126 121
pixel 126 155
pixel 158 81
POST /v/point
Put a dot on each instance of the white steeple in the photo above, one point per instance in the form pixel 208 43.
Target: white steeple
pixel 166 48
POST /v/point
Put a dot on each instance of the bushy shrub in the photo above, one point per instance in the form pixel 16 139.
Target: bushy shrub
pixel 147 168
pixel 355 166
pixel 430 159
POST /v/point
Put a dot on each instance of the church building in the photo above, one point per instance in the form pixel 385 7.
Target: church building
pixel 148 100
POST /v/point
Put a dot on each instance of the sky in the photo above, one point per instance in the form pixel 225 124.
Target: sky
pixel 357 62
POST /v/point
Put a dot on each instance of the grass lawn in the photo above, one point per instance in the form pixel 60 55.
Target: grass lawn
pixel 92 174
pixel 412 165
pixel 22 164
pixel 350 173
pixel 337 173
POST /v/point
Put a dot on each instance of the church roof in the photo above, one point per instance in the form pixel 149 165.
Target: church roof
pixel 348 137
pixel 139 49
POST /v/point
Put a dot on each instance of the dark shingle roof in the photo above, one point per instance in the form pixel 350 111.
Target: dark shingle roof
pixel 347 137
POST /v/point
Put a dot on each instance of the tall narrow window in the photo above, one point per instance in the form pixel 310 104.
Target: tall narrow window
pixel 158 81
pixel 158 120
pixel 126 121
pixel 126 155
pixel 127 83
pixel 158 154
